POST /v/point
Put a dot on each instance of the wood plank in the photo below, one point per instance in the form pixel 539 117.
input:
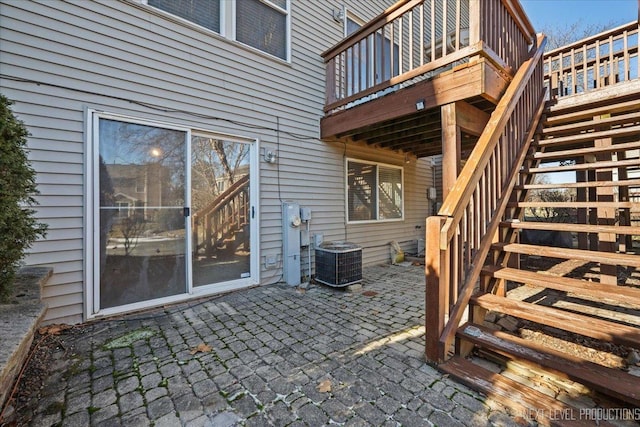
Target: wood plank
pixel 585 166
pixel 565 253
pixel 618 294
pixel 576 228
pixel 621 183
pixel 567 154
pixel 515 396
pixel 591 124
pixel 611 382
pixel 569 205
pixel 557 116
pixel 626 91
pixel 590 136
pixel 588 326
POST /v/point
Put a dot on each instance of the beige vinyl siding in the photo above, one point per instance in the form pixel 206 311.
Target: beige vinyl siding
pixel 102 54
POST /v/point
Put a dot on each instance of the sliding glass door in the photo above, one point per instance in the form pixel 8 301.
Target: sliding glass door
pixel 173 214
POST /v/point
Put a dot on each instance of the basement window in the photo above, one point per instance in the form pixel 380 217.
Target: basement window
pixel 375 192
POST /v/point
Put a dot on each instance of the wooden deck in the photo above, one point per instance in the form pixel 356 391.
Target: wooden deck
pixel 387 84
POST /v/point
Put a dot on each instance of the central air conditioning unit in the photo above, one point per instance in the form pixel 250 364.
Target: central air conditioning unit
pixel 338 264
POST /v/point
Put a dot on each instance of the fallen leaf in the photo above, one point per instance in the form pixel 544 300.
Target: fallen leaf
pixel 369 293
pixel 201 348
pixel 53 329
pixel 324 386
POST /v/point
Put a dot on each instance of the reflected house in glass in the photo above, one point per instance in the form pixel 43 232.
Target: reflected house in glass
pixel 137 186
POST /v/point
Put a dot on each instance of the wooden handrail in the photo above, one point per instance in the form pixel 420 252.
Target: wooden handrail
pixel 223 198
pixel 454 263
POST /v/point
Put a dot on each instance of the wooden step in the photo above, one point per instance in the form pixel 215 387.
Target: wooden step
pixel 575 228
pixel 569 205
pixel 522 400
pixel 571 154
pixel 590 136
pixel 588 326
pixel 584 166
pixel 611 382
pixel 556 115
pixel 614 293
pixel 611 258
pixel 591 124
pixel 542 186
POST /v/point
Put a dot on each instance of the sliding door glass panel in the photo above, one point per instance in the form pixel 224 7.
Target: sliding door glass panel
pixel 142 223
pixel 221 214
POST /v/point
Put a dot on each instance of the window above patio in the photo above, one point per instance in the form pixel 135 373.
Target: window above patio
pixel 260 24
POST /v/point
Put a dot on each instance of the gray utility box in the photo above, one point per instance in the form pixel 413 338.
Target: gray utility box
pixel 338 263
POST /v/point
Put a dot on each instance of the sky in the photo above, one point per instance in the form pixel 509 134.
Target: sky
pixel 560 13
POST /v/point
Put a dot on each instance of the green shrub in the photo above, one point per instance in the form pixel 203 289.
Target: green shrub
pixel 18 227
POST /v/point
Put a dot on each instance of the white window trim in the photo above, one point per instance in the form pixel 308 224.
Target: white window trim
pixel 346 191
pixel 228 25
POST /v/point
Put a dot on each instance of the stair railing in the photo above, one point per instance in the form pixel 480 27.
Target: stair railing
pixel 595 62
pixel 460 236
pixel 222 215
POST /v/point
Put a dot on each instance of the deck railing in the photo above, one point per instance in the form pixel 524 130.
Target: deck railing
pixel 417 39
pixel 460 236
pixel 598 61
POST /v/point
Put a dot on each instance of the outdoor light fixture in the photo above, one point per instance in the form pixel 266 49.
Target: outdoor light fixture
pixel 420 104
pixel 338 15
pixel 270 156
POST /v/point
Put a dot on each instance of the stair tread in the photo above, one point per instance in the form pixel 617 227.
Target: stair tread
pixel 585 166
pixel 557 114
pixel 541 186
pixel 578 323
pixel 518 397
pixel 609 381
pixel 567 253
pixel 577 228
pixel 573 153
pixel 591 124
pixel 616 293
pixel 569 205
pixel 590 136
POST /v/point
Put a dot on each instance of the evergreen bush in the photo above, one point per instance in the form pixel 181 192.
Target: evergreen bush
pixel 18 226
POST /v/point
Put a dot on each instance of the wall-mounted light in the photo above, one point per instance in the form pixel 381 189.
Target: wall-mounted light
pixel 420 104
pixel 338 15
pixel 270 156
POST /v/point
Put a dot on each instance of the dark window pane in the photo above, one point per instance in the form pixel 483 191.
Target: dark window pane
pixel 202 12
pixel 262 27
pixel 362 196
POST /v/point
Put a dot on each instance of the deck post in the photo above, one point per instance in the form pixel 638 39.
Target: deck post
pixel 606 215
pixel 435 290
pixel 451 148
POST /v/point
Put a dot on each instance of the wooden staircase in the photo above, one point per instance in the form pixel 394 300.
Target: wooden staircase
pixel 222 226
pixel 587 295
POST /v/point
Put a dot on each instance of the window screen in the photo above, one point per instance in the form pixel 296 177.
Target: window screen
pixel 374 192
pixel 262 26
pixel 202 12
